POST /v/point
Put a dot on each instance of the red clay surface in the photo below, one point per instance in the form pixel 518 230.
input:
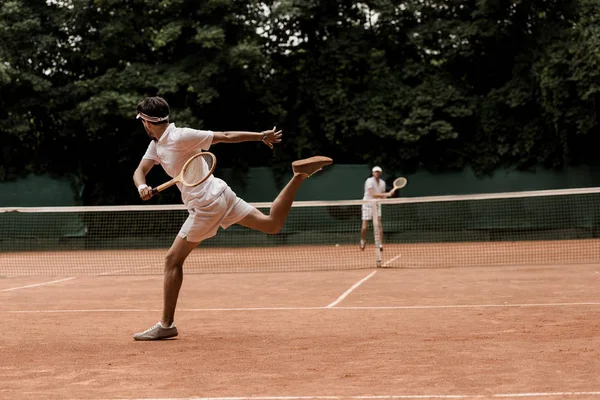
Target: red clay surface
pixel 402 332
pixel 201 260
pixel 303 258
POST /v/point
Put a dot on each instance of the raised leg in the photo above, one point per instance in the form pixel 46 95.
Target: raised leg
pixel 280 209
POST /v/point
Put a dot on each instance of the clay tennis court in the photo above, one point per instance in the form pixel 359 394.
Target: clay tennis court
pixel 478 332
pixel 303 258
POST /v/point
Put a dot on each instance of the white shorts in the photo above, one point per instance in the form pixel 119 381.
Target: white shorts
pixel 367 212
pixel 224 211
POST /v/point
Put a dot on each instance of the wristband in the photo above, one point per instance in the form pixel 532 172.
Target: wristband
pixel 142 186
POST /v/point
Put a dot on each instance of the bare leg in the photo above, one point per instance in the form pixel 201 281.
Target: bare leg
pixel 363 230
pixel 280 209
pixel 177 254
pixel 380 232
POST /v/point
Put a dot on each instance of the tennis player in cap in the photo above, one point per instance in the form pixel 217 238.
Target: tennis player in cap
pixel 210 204
pixel 374 189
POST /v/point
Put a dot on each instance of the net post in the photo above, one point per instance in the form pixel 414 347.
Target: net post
pixel 376 227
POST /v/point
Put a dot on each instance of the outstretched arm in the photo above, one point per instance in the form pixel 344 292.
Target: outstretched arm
pixel 269 137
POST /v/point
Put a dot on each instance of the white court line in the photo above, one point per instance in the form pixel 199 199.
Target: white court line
pixel 432 307
pixel 110 273
pixel 388 262
pixel 82 311
pixel 115 272
pixel 37 284
pixel 347 292
pixel 391 397
pixel 467 306
pixel 134 310
pixel 548 394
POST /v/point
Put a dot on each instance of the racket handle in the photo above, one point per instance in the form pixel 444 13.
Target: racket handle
pixel 162 187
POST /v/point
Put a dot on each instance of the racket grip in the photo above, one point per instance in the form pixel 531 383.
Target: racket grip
pixel 154 192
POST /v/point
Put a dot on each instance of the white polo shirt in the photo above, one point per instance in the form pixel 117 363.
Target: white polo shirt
pixel 173 149
pixel 371 183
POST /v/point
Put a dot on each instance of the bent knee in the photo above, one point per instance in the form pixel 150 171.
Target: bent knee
pixel 272 228
pixel 172 262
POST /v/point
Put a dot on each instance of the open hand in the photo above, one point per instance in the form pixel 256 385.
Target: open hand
pixel 271 137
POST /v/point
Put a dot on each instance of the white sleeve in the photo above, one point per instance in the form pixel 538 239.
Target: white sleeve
pixel 200 139
pixel 151 153
pixel 369 185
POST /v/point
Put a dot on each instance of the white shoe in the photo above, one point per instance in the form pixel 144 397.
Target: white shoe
pixel 157 332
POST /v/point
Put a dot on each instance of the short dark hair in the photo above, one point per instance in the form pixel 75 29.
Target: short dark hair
pixel 154 107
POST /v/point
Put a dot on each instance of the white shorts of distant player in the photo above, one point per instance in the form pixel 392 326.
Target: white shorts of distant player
pixel 203 222
pixel 367 212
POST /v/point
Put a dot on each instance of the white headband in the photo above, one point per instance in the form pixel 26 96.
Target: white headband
pixel 151 119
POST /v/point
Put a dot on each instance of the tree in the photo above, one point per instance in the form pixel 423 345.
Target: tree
pixel 29 59
pixel 439 84
pixel 201 57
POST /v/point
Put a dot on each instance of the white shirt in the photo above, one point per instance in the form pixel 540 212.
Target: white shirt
pixel 173 149
pixel 371 183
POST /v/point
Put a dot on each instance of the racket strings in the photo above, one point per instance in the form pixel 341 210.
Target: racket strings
pixel 197 169
pixel 400 182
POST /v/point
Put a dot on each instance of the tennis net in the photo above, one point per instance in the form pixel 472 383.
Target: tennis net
pixel 521 228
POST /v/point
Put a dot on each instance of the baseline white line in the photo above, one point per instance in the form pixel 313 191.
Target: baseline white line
pixel 115 272
pixel 391 397
pixel 132 310
pixel 37 284
pixel 433 307
pixel 82 311
pixel 347 292
pixel 458 306
pixel 111 273
pixel 548 394
pixel 388 262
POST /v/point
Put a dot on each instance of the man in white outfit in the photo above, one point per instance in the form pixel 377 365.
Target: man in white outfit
pixel 212 204
pixel 374 189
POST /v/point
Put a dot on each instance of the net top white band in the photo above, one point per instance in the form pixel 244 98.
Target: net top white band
pixel 406 200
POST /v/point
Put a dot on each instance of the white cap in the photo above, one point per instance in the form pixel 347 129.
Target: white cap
pixel 376 169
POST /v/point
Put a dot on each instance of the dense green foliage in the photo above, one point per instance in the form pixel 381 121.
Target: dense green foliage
pixel 439 84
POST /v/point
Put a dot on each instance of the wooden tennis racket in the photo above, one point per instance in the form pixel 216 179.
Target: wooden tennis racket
pixel 399 183
pixel 195 171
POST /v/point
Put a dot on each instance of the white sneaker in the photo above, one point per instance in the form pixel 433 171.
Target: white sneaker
pixel 157 332
pixel 362 244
